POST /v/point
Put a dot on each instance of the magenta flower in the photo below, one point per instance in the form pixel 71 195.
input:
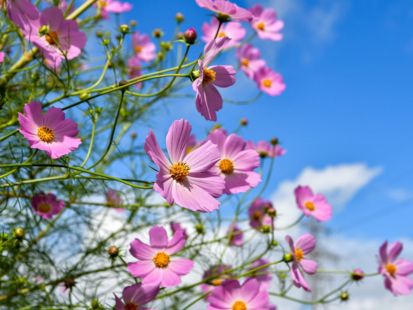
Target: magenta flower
pixel 395 270
pixel 232 30
pixel 49 132
pixel 156 265
pixel 215 276
pixel 269 81
pixel 232 295
pixel 266 24
pixel 237 163
pixel 188 179
pixel 235 235
pixel 303 246
pixel 143 47
pixel 47 205
pixel 176 227
pixel 136 296
pixel 112 6
pixel 1 57
pixel 258 214
pixel 208 99
pixel 250 60
pixel 315 205
pixel 225 10
pixel 23 14
pixel 262 275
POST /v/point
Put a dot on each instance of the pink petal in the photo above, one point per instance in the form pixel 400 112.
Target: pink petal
pixel 181 266
pixel 158 237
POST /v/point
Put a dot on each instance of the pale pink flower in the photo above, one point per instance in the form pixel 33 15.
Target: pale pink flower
pixel 225 10
pixel 214 276
pixel 235 235
pixel 395 270
pixel 269 81
pixel 250 60
pixel 232 30
pixel 136 296
pixel 188 179
pixel 299 250
pixel 157 265
pixel 258 214
pixel 47 205
pixel 113 6
pixel 208 99
pixel 23 14
pixel 266 149
pixel 315 205
pixel 266 24
pixel 143 47
pixel 50 131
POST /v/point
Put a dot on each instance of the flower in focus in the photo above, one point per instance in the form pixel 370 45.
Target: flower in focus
pixel 156 264
pixel 214 276
pixel 135 296
pixel 262 275
pixel 266 149
pixel 232 30
pixel 259 218
pixel 236 163
pixel 23 14
pixel 395 270
pixel 49 132
pixel 175 227
pixel 250 60
pixel 47 205
pixel 188 179
pixel 113 198
pixel 235 235
pixel 232 295
pixel 208 99
pixel 143 47
pixel 112 6
pixel 225 10
pixel 315 205
pixel 266 24
pixel 303 246
pixel 269 81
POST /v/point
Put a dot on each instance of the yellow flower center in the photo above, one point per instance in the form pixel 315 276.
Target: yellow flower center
pixel 267 83
pixel 138 49
pixel 309 205
pixel 102 3
pixel 261 26
pixel 239 305
pixel 216 282
pixel 130 306
pixel 52 38
pixel 245 62
pixel 161 260
pixel 222 34
pixel 209 76
pixel 299 254
pixel 45 134
pixel 179 171
pixel 226 166
pixel 391 269
pixel 44 208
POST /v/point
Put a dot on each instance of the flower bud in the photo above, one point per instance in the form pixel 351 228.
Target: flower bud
pixel 199 228
pixel 99 34
pixel 271 212
pixel 44 30
pixel 274 243
pixel 85 95
pixel 19 233
pixel 158 33
pixel 166 46
pixel 288 257
pixel 274 141
pixel 123 83
pixel 106 42
pixel 133 23
pixel 133 135
pixel 266 229
pixel 113 251
pixel 243 121
pixel 357 274
pixel 69 282
pixel 344 296
pixel 124 28
pixel 190 36
pixel 179 17
pixel 180 36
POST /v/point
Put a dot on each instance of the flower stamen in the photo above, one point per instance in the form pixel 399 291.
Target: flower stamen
pixel 239 305
pixel 52 38
pixel 45 134
pixel 226 166
pixel 209 76
pixel 298 254
pixel 179 171
pixel 44 208
pixel 261 26
pixel 391 269
pixel 309 205
pixel 267 83
pixel 161 260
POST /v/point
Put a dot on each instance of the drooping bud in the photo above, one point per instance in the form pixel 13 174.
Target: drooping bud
pixel 288 257
pixel 190 36
pixel 357 274
pixel 113 251
pixel 179 17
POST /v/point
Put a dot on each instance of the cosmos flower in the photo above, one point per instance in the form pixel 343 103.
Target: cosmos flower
pixel 250 60
pixel 299 249
pixel 266 24
pixel 50 131
pixel 315 205
pixel 114 199
pixel 1 57
pixel 235 235
pixel 156 263
pixel 258 214
pixel 232 30
pixel 47 205
pixel 143 47
pixel 188 179
pixel 269 81
pixel 112 6
pixel 208 99
pixel 395 270
pixel 136 296
pixel 266 149
pixel 262 275
pixel 23 14
pixel 215 276
pixel 175 227
pixel 225 10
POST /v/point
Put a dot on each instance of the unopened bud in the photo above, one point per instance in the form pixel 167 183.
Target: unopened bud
pixel 179 17
pixel 113 251
pixel 99 34
pixel 166 46
pixel 357 274
pixel 124 29
pixel 190 36
pixel 266 229
pixel 44 30
pixel 133 135
pixel 123 83
pixel 344 296
pixel 69 282
pixel 106 42
pixel 274 243
pixel 19 233
pixel 243 122
pixel 199 228
pixel 288 257
pixel 85 95
pixel 158 33
pixel 271 211
pixel 133 23
pixel 180 36
pixel 274 141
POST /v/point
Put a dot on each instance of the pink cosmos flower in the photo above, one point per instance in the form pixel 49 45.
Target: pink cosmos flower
pixel 136 296
pixel 259 218
pixel 395 270
pixel 266 24
pixel 235 235
pixel 232 30
pixel 266 149
pixel 47 205
pixel 112 6
pixel 250 60
pixel 208 99
pixel 188 179
pixel 237 163
pixel 262 275
pixel 303 246
pixel 22 13
pixel 175 227
pixel 56 37
pixel 135 69
pixel 49 132
pixel 315 205
pixel 114 199
pixel 269 81
pixel 1 57
pixel 156 264
pixel 232 295
pixel 225 10
pixel 143 47
pixel 215 276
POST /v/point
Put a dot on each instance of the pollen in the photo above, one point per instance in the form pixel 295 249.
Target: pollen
pixel 209 76
pixel 391 269
pixel 309 205
pixel 138 49
pixel 44 208
pixel 239 305
pixel 299 254
pixel 179 171
pixel 130 306
pixel 226 166
pixel 267 83
pixel 261 26
pixel 161 260
pixel 222 34
pixel 45 134
pixel 245 62
pixel 52 38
